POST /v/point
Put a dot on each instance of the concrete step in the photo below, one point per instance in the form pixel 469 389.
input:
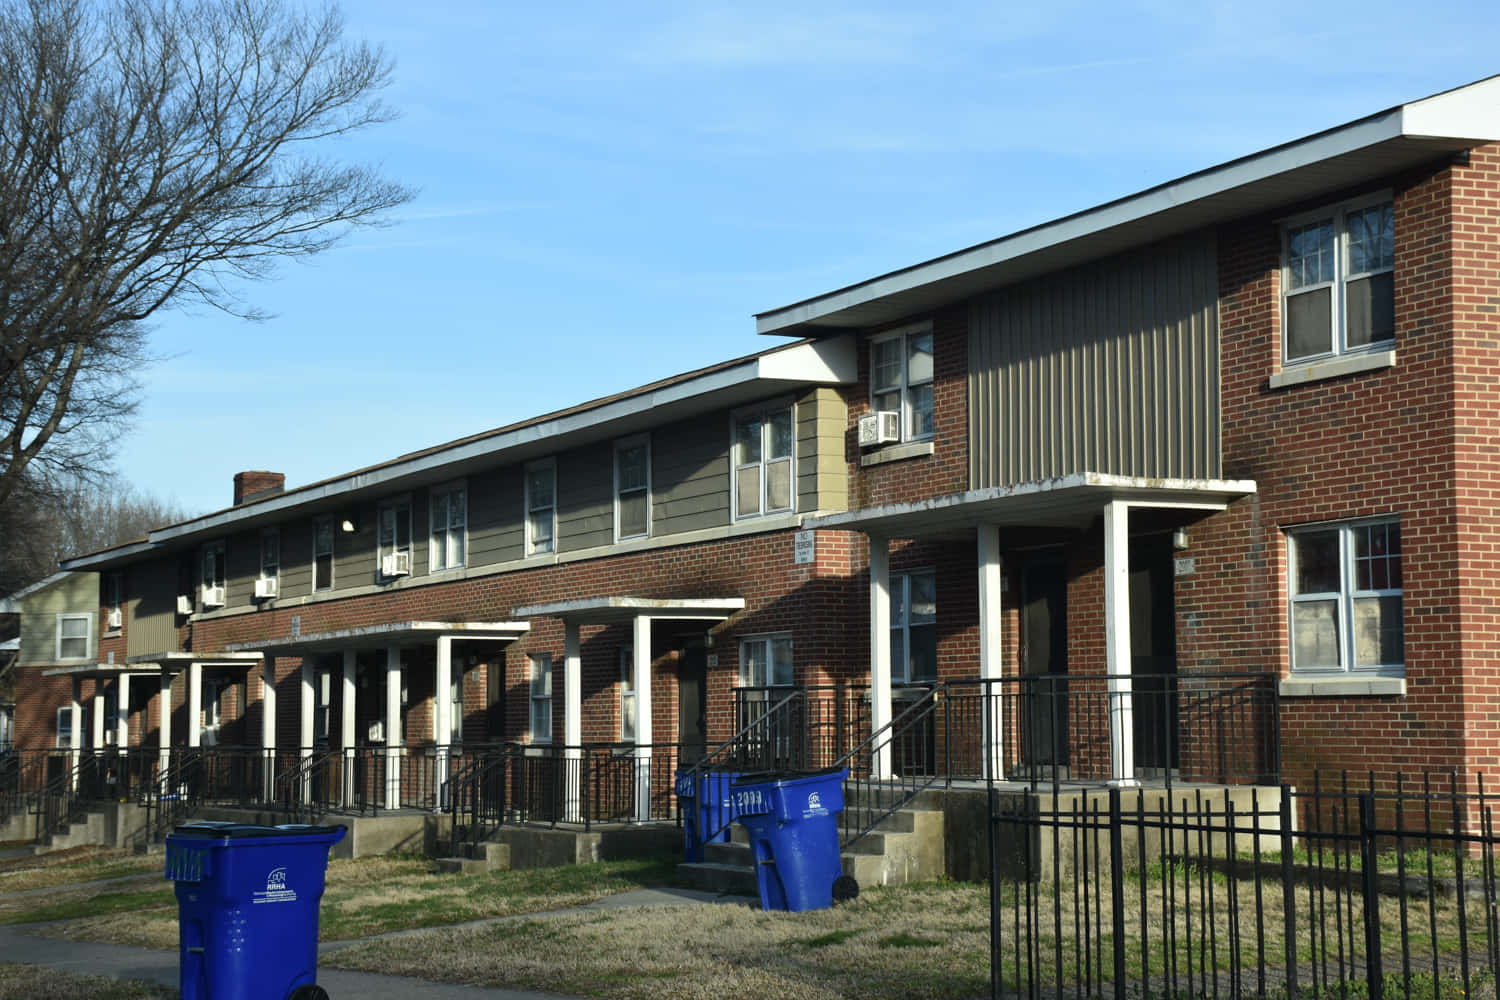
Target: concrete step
pixel 474 859
pixel 729 854
pixel 713 876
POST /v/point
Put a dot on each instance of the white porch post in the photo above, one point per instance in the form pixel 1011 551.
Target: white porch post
pixel 991 651
pixel 122 713
pixel 346 725
pixel 75 731
pixel 164 726
pixel 641 653
pixel 442 715
pixel 306 707
pixel 572 721
pixel 880 650
pixel 268 726
pixel 1117 640
pixel 195 704
pixel 393 735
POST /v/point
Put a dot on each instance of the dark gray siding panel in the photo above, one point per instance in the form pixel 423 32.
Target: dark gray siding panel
pixel 1109 367
pixel 242 564
pixel 354 553
pixel 296 559
pixel 690 475
pixel 495 516
pixel 585 497
pixel 151 619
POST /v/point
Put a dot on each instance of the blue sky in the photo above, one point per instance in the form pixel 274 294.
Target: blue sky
pixel 610 191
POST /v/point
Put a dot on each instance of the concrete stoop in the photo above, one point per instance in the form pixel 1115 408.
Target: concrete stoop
pixel 475 859
pixel 92 829
pixel 527 847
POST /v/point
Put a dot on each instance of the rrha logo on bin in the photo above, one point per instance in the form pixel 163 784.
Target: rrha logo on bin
pixel 276 890
pixel 815 801
pixel 276 881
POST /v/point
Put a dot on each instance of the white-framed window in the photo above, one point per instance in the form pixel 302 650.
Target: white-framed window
pixel 449 514
pixel 627 695
pixel 541 506
pixel 456 704
pixel 65 726
pixel 214 579
pixel 764 441
pixel 541 697
pixel 633 487
pixel 393 544
pixel 766 660
pixel 270 561
pixel 75 636
pixel 323 710
pixel 901 379
pixel 914 627
pixel 1345 597
pixel 114 600
pixel 322 553
pixel 1338 280
pixel 111 714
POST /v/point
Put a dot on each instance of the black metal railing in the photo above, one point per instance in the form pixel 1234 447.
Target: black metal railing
pixel 805 728
pixel 892 766
pixel 1385 888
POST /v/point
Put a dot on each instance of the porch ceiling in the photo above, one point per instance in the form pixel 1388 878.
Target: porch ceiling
pixel 1066 502
pixel 617 610
pixel 381 636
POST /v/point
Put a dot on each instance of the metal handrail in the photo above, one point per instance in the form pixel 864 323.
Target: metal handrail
pixel 875 805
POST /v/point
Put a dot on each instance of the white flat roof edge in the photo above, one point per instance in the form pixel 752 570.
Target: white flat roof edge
pixel 512 628
pixel 664 605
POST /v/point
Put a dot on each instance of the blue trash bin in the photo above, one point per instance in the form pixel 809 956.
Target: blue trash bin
pixel 793 826
pixel 707 809
pixel 247 908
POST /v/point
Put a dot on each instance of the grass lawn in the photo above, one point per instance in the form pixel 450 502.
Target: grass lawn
pixel 30 982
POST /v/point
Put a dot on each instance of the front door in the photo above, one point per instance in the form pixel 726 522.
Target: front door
pixel 692 684
pixel 1153 655
pixel 1044 663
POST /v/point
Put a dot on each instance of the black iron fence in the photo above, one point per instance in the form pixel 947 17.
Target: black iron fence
pixel 1385 889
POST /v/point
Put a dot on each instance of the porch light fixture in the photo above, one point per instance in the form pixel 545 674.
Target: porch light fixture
pixel 1180 538
pixel 348 525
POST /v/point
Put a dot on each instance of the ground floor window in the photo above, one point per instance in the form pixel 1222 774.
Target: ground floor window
pixel 1345 595
pixel 627 695
pixel 766 660
pixel 541 697
pixel 914 627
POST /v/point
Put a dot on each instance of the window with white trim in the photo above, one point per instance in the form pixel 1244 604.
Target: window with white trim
pixel 764 480
pixel 75 636
pixel 323 709
pixel 766 660
pixel 456 704
pixel 914 627
pixel 114 600
pixel 65 726
pixel 1345 596
pixel 627 695
pixel 449 514
pixel 213 582
pixel 270 558
pixel 393 542
pixel 541 506
pixel 1338 281
pixel 633 487
pixel 322 553
pixel 541 697
pixel 901 372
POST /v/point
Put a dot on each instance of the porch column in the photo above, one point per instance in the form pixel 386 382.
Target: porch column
pixel 122 712
pixel 307 706
pixel 991 651
pixel 442 715
pixel 1117 641
pixel 346 724
pixel 880 651
pixel 164 726
pixel 572 722
pixel 641 654
pixel 393 735
pixel 75 731
pixel 97 722
pixel 268 727
pixel 195 704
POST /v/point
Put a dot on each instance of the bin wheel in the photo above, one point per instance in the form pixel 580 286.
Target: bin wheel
pixel 308 991
pixel 845 888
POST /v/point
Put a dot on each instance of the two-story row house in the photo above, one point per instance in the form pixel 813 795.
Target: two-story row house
pixel 1196 483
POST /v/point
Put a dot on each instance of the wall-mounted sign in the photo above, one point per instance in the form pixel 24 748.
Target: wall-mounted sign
pixel 1182 566
pixel 804 548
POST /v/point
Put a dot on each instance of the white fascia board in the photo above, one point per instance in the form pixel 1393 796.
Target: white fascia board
pixel 507 631
pixel 667 607
pixel 1471 112
pixel 107 556
pixel 823 361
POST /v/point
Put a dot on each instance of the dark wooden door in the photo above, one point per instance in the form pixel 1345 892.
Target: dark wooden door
pixel 692 684
pixel 1044 663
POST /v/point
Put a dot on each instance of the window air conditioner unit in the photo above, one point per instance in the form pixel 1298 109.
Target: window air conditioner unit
pixel 265 587
pixel 213 597
pixel 879 428
pixel 395 564
pixel 184 604
pixel 116 618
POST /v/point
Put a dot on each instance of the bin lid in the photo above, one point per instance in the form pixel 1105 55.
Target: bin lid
pixel 217 830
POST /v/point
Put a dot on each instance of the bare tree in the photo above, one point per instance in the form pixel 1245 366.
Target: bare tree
pixel 157 154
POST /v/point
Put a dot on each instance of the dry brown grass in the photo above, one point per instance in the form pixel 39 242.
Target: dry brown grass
pixel 70 867
pixel 30 982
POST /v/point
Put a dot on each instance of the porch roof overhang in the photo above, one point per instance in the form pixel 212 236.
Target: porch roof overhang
pixel 617 610
pixel 100 670
pixel 383 635
pixel 1071 501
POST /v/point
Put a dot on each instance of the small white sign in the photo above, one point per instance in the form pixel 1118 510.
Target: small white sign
pixel 804 548
pixel 713 659
pixel 1182 566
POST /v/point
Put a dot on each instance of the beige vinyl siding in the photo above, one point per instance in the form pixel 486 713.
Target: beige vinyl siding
pixel 1109 367
pixel 296 558
pixel 75 593
pixel 822 470
pixel 585 497
pixel 690 475
pixel 151 590
pixel 496 499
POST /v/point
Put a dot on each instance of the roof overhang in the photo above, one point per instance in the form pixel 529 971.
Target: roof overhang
pixel 382 636
pixel 794 366
pixel 175 660
pixel 617 610
pixel 1071 502
pixel 100 670
pixel 1363 151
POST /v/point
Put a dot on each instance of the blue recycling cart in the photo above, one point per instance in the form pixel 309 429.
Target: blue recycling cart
pixel 247 908
pixel 707 809
pixel 793 825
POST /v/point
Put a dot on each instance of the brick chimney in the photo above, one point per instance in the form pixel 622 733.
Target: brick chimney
pixel 257 485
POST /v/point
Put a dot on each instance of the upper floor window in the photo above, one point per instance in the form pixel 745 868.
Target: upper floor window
pixel 114 599
pixel 541 697
pixel 766 660
pixel 764 440
pixel 75 636
pixel 914 627
pixel 901 379
pixel 1339 280
pixel 394 543
pixel 214 579
pixel 633 487
pixel 269 581
pixel 450 518
pixel 541 506
pixel 1345 589
pixel 323 553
